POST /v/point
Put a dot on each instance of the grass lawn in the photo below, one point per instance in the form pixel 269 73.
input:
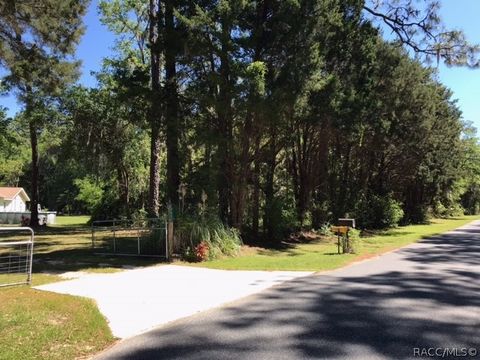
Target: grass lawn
pixel 70 221
pixel 43 325
pixel 321 254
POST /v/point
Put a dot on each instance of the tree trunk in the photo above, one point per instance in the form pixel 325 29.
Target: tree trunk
pixel 252 117
pixel 123 188
pixel 171 111
pixel 155 113
pixel 241 177
pixel 225 137
pixel 34 189
pixel 154 183
pixel 256 190
pixel 268 220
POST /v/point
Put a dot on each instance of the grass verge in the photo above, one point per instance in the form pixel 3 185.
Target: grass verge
pixel 43 325
pixel 321 254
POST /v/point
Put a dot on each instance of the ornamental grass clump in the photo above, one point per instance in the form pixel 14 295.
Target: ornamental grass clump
pixel 220 240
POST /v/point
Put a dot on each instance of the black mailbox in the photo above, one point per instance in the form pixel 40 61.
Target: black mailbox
pixel 346 222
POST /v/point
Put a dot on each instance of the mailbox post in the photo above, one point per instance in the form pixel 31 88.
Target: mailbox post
pixel 343 241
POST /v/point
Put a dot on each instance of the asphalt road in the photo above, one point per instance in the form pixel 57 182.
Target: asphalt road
pixel 421 300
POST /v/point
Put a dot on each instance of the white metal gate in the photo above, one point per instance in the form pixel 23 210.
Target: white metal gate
pixel 16 255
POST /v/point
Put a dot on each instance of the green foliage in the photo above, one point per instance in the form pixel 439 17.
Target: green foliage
pixel 379 212
pixel 257 111
pixel 90 192
pixel 442 211
pixel 37 39
pixel 355 241
pixel 14 154
pixel 283 218
pixel 256 72
pixel 221 240
pixel 140 218
pixel 325 229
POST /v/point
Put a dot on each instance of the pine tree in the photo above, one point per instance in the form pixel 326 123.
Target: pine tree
pixel 37 37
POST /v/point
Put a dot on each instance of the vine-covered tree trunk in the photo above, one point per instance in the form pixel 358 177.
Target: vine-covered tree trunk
pixel 155 111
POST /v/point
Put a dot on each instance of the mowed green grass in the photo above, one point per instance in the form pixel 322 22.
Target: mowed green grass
pixel 71 221
pixel 321 254
pixel 43 325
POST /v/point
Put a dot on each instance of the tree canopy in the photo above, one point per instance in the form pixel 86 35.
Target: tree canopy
pixel 270 115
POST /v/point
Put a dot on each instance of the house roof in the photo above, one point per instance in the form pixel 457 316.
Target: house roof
pixel 9 193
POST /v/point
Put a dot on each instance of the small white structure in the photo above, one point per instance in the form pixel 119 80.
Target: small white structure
pixel 13 207
pixel 13 199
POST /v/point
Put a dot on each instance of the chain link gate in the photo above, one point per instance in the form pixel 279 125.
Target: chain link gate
pixel 148 238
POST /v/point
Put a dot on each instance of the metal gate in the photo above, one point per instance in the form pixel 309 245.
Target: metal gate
pixel 16 255
pixel 127 238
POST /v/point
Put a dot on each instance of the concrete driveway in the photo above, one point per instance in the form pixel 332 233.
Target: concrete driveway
pixel 422 301
pixel 134 301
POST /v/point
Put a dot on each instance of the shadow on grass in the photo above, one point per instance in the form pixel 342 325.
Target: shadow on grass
pixel 63 230
pixel 385 233
pixel 65 249
pixel 292 250
pixel 382 314
pixel 80 259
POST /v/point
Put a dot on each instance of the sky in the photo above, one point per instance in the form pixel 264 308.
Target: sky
pixel 98 43
pixel 465 83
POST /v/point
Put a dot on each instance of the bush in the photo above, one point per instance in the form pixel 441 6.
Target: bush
pixel 354 239
pixel 140 218
pixel 202 251
pixel 325 229
pixel 90 193
pixel 440 210
pixel 218 238
pixel 379 212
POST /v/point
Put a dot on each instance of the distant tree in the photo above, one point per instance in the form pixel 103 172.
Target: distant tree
pixel 37 39
pixel 149 38
pixel 14 154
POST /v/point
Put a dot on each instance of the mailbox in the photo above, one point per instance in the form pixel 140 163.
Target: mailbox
pixel 346 222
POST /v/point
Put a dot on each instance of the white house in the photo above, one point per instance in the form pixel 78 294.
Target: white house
pixel 13 199
pixel 13 208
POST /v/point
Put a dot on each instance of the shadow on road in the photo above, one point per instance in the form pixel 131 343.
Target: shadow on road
pixel 430 300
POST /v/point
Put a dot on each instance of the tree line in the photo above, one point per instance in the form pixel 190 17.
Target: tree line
pixel 270 115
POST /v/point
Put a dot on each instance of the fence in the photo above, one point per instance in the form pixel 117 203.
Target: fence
pixel 16 255
pixel 128 238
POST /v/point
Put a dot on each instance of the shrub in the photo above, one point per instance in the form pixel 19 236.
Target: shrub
pixel 325 229
pixel 354 240
pixel 202 251
pixel 90 193
pixel 443 211
pixel 140 218
pixel 188 254
pixel 281 217
pixel 379 212
pixel 220 239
